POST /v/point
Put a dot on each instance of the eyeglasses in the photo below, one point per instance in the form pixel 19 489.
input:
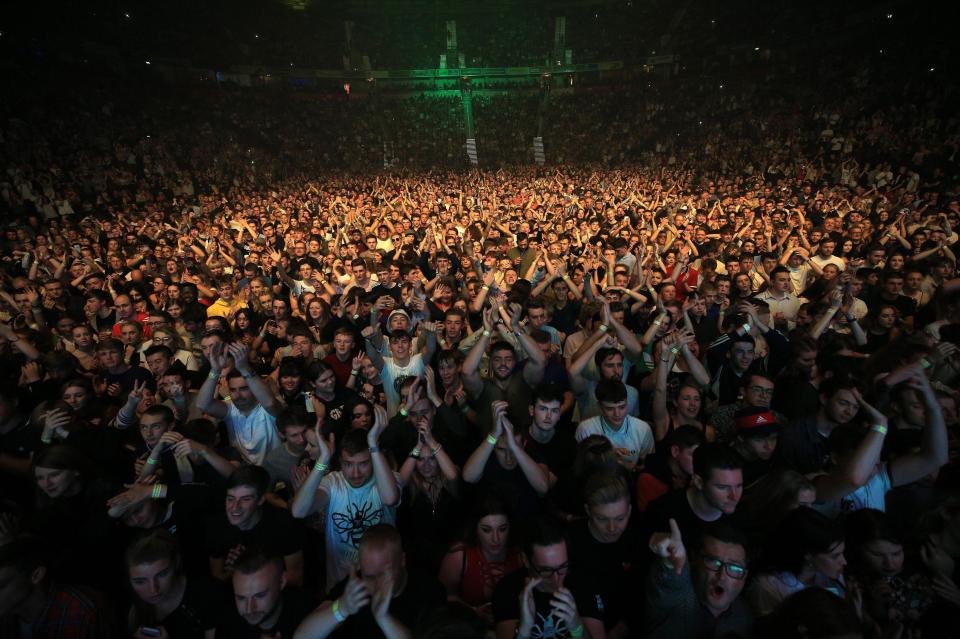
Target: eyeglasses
pixel 760 390
pixel 734 571
pixel 547 571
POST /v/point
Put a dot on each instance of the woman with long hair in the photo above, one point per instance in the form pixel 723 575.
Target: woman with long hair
pixel 432 502
pixel 882 327
pixel 472 568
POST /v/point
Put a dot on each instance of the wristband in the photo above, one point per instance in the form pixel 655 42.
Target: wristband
pixel 746 328
pixel 374 449
pixel 657 322
pixel 416 452
pixel 404 411
pixel 152 461
pixel 434 451
pixel 492 440
pixel 879 428
pixel 213 374
pixel 485 287
pixel 603 328
pixel 674 350
pixel 335 608
pixel 320 466
pixel 157 492
pixel 577 632
pixel 46 439
pixel 486 333
pixel 355 373
pixel 926 363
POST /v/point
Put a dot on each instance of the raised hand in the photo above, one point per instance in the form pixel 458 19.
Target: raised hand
pixel 241 356
pixel 669 547
pixel 218 357
pixel 137 392
pixel 379 423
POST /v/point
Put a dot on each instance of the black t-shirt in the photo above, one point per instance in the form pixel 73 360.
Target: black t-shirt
pixel 611 571
pixel 675 505
pixel 558 453
pixel 277 531
pixel 203 604
pixel 296 606
pixel 506 605
pixel 421 595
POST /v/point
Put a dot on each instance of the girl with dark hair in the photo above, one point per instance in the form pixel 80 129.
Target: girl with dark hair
pixel 806 550
pixel 472 568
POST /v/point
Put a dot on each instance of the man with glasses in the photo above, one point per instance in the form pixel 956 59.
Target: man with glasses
pixel 756 391
pixel 543 599
pixel 697 596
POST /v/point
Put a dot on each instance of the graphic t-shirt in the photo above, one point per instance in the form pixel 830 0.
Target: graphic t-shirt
pixel 350 512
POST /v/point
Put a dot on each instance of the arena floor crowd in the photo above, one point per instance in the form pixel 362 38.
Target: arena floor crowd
pixel 696 377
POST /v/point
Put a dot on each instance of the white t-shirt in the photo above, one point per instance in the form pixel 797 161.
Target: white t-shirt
pixel 391 373
pixel 253 435
pixel 350 512
pixel 871 495
pixel 633 441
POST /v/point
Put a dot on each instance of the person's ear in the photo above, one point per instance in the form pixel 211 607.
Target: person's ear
pixel 697 482
pixel 38 575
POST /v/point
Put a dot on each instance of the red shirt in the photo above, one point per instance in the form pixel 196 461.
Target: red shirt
pixel 341 370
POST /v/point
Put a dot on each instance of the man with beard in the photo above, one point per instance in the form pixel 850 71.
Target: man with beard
pixel 265 605
pixel 508 381
pixel 250 413
pixel 697 596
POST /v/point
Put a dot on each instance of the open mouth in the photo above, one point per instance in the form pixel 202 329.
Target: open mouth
pixel 717 592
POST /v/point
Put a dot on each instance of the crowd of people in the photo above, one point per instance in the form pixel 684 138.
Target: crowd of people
pixel 694 378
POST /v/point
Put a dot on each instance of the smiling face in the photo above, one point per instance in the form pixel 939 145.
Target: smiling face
pixel 242 505
pixel 55 482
